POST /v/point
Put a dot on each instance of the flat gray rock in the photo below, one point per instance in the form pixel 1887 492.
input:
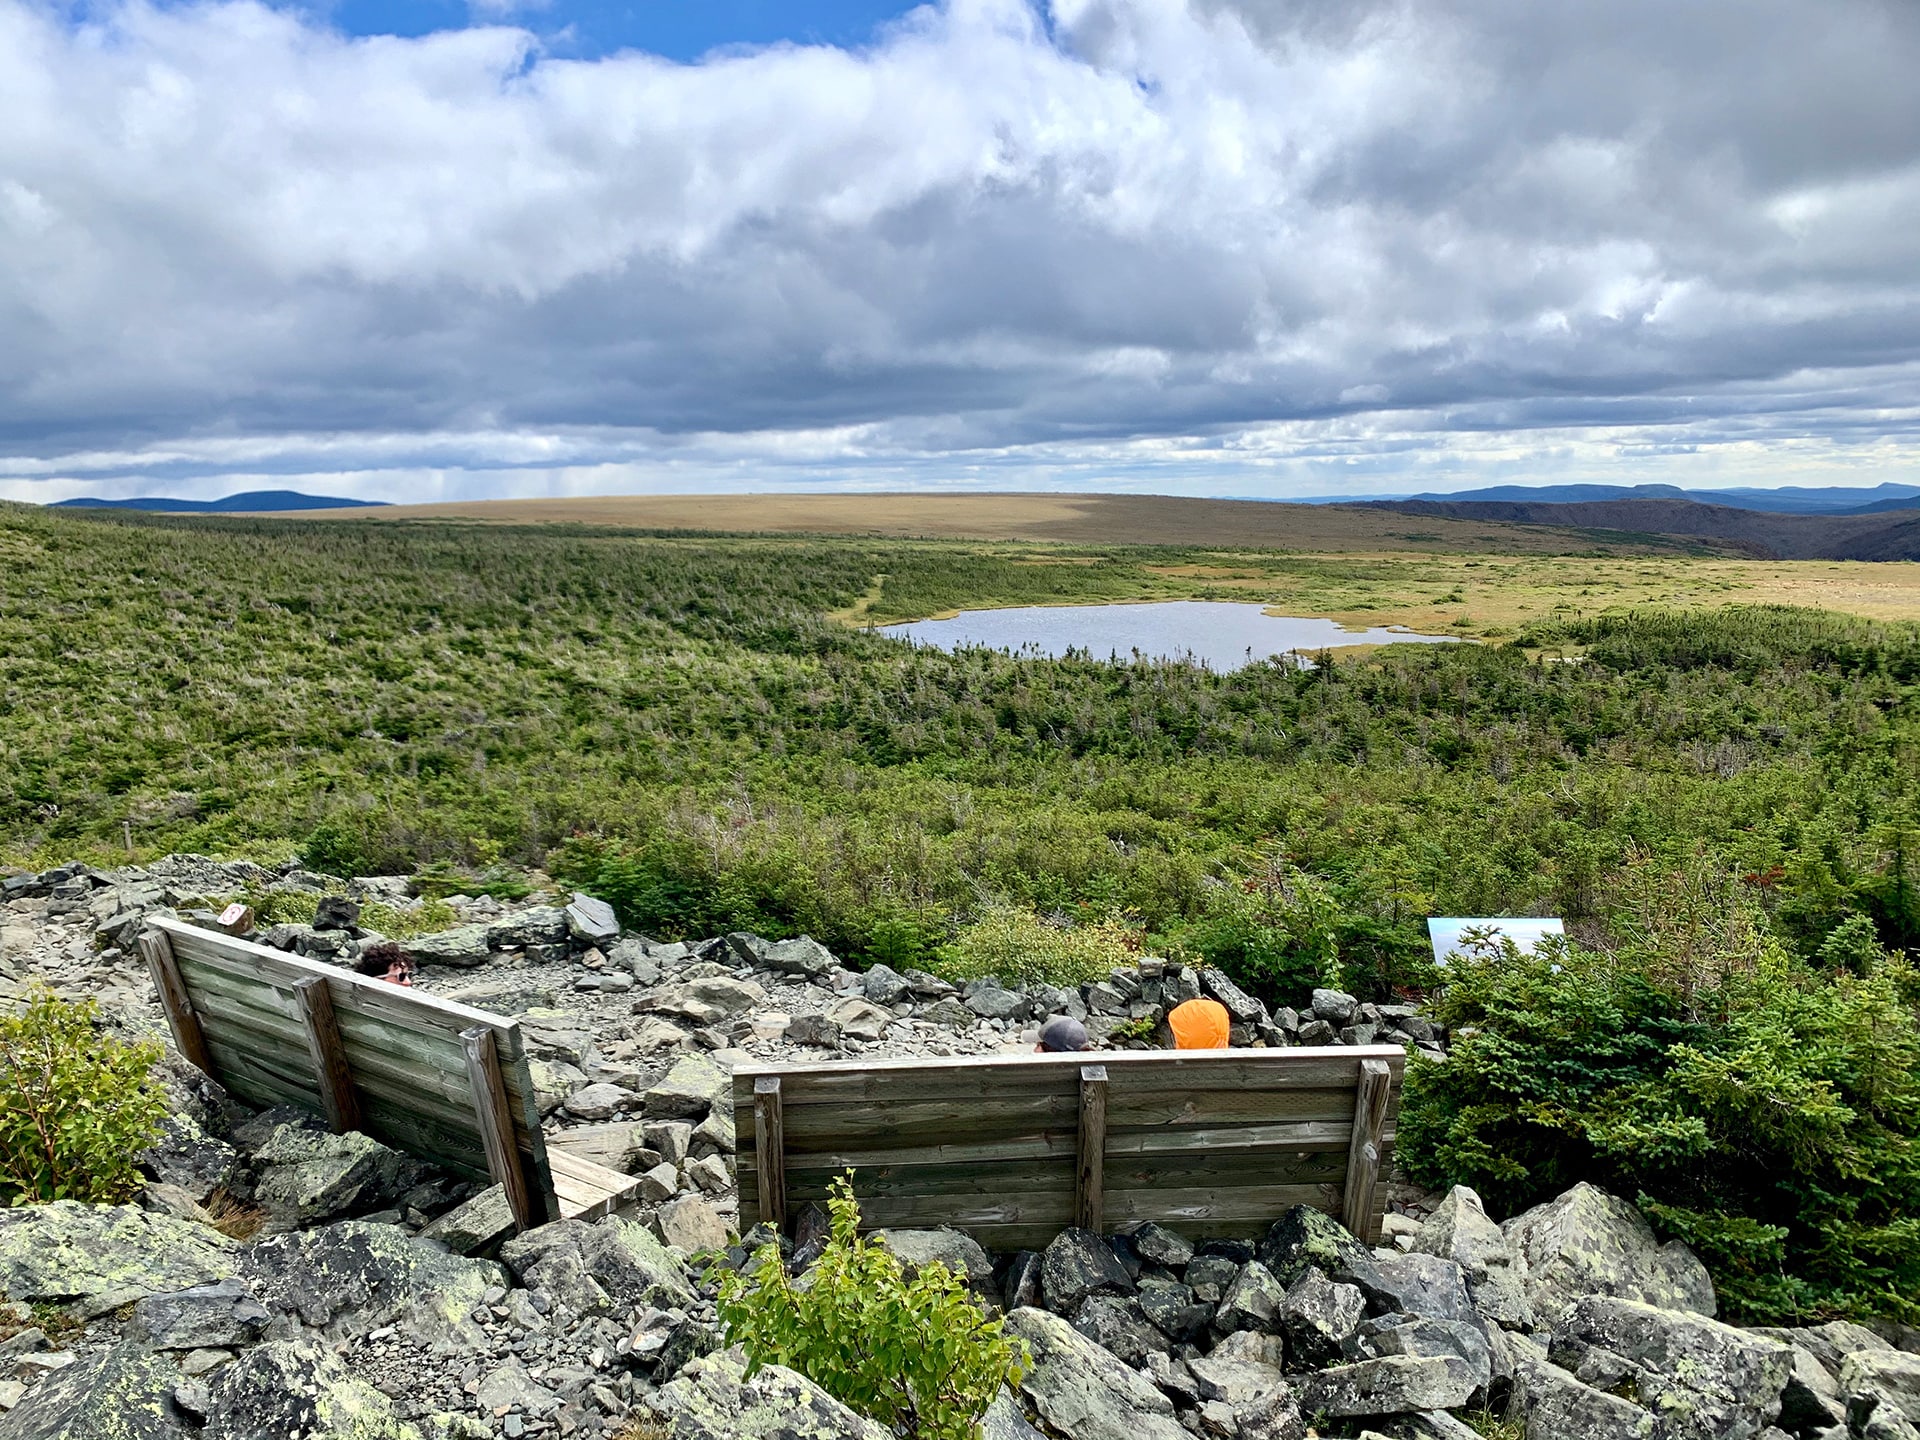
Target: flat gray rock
pixel 67 1253
pixel 712 1399
pixel 1081 1392
pixel 1588 1242
pixel 1394 1385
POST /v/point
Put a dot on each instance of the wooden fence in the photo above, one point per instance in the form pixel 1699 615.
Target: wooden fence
pixel 445 1082
pixel 1012 1149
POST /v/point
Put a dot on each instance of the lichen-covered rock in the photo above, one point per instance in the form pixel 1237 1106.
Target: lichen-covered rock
pixel 1252 1302
pixel 1423 1336
pixel 1705 1380
pixel 347 1279
pixel 598 1267
pixel 1080 1392
pixel 1460 1231
pixel 1588 1242
pixel 186 1156
pixel 1424 1285
pixel 1305 1237
pixel 303 1175
pixel 463 946
pixel 298 1389
pixel 223 1314
pixel 1005 1421
pixel 688 1091
pixel 1077 1264
pixel 120 1394
pixel 713 1399
pixel 802 955
pixel 1319 1319
pixel 475 1224
pixel 703 1000
pixel 93 1258
pixel 1116 1323
pixel 1555 1406
pixel 1159 1245
pixel 1235 1381
pixel 1171 1307
pixel 1274 1416
pixel 955 1249
pixel 1894 1374
pixel 538 925
pixel 1393 1385
pixel 691 1225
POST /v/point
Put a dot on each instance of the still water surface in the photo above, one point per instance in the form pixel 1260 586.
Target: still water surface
pixel 1220 634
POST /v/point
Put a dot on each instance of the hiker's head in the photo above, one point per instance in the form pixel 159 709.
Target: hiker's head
pixel 1200 1025
pixel 386 961
pixel 1063 1032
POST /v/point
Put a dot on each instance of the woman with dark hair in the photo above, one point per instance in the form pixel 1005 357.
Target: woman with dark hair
pixel 387 961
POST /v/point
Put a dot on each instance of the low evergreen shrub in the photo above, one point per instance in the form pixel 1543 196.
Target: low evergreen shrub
pixel 1763 1108
pixel 77 1106
pixel 916 1354
pixel 1021 948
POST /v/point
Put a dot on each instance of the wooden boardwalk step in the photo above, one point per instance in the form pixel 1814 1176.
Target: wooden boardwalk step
pixel 588 1190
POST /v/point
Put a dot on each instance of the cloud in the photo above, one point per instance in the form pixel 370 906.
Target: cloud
pixel 1250 246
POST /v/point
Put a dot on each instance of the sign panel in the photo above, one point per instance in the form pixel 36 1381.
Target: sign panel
pixel 1454 936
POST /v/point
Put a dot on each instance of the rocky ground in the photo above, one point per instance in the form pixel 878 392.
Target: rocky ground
pixel 278 1281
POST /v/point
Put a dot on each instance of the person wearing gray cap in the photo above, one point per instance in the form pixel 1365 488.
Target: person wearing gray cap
pixel 1063 1032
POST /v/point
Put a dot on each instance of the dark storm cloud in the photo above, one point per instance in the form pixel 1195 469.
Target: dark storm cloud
pixel 1135 233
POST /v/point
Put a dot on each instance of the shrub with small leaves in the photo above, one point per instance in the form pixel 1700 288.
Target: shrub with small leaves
pixel 76 1106
pixel 915 1354
pixel 1015 945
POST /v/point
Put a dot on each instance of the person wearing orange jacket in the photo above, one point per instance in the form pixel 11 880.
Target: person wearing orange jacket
pixel 1200 1025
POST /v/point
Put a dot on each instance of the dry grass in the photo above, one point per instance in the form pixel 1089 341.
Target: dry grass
pixel 234 1218
pixel 1074 519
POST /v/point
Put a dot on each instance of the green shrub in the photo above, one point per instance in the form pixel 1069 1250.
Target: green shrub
pixel 1020 948
pixel 76 1106
pixel 916 1355
pixel 1761 1108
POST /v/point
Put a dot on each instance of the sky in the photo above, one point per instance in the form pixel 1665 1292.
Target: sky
pixel 438 249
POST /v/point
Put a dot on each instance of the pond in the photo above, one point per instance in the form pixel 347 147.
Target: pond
pixel 1220 634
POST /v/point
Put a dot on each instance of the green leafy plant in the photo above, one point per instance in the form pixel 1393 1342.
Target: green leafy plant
pixel 76 1106
pixel 915 1354
pixel 1018 946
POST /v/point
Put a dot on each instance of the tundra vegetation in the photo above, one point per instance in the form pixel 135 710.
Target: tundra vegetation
pixel 1722 802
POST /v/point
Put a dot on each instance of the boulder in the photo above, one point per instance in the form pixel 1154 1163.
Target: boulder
pixel 949 1014
pixel 1305 1237
pixel 1425 1337
pixel 601 1100
pixel 464 946
pixel 1416 1284
pixel 1460 1231
pixel 1588 1242
pixel 1893 1374
pixel 186 1156
pixel 591 921
pixel 222 1314
pixel 1705 1380
pixel 1240 1005
pixel 1393 1385
pixel 1154 1242
pixel 1251 1302
pixel 1274 1416
pixel 1336 1007
pixel 691 1225
pixel 1871 1416
pixel 125 1393
pixel 348 1279
pixel 813 1030
pixel 298 1388
pixel 1320 1319
pixel 804 956
pixel 598 1268
pixel 511 1386
pixel 703 1001
pixel 955 1249
pixel 884 986
pixel 1234 1381
pixel 1004 1420
pixel 689 1090
pixel 303 1175
pixel 712 1398
pixel 1117 1324
pixel 1171 1307
pixel 1208 1276
pixel 861 1019
pixel 619 1145
pixel 1077 1264
pixel 94 1258
pixel 1552 1405
pixel 1081 1392
pixel 539 925
pixel 996 1002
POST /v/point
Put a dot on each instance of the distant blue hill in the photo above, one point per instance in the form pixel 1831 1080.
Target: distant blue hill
pixel 252 500
pixel 1787 500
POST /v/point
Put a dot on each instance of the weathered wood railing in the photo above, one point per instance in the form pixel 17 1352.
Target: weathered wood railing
pixel 442 1081
pixel 1014 1148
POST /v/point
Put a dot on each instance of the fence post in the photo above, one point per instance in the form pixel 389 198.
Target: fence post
pixel 1363 1154
pixel 1089 1197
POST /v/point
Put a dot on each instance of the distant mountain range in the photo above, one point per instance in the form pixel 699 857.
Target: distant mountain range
pixel 1882 531
pixel 1787 500
pixel 253 501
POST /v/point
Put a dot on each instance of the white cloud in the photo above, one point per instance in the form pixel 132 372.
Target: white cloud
pixel 1233 246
